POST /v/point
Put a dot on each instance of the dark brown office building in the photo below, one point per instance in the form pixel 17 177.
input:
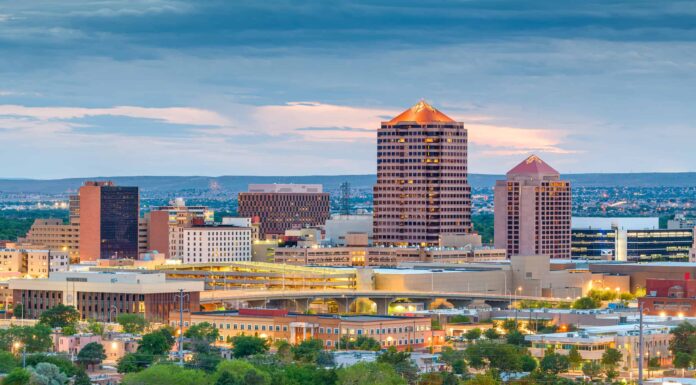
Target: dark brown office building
pixel 108 221
pixel 281 207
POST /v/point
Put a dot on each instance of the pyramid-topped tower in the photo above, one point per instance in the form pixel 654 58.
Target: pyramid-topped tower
pixel 532 211
pixel 422 189
pixel 533 166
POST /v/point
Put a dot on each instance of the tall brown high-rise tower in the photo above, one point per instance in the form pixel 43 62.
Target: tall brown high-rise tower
pixel 422 189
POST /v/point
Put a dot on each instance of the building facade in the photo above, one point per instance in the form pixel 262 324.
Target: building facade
pixel 422 188
pixel 282 207
pixel 633 245
pixel 533 211
pixel 383 256
pixel 216 243
pixel 103 296
pixel 403 333
pixel 670 297
pixel 108 221
pixel 166 224
pixel 32 263
pixel 592 342
pixel 53 234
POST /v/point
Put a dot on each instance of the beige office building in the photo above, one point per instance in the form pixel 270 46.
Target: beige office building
pixel 53 234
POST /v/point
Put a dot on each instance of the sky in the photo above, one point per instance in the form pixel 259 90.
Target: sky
pixel 159 87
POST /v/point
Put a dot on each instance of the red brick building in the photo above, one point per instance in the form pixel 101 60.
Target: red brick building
pixel 281 207
pixel 670 297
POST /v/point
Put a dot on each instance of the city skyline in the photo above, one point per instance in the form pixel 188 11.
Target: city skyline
pixel 181 88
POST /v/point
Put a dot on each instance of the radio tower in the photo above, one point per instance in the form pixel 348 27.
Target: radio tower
pixel 345 198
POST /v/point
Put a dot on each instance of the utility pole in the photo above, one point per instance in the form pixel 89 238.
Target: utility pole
pixel 640 345
pixel 181 326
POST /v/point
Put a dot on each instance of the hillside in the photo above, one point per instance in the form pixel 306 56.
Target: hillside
pixel 163 184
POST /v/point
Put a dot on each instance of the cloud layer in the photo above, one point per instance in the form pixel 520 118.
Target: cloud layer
pixel 184 87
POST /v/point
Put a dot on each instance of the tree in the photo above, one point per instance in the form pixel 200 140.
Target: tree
pixel 283 351
pixel 17 376
pixel 586 303
pixel 510 325
pixel 459 367
pixel 491 334
pixel 60 316
pixel 554 363
pixel 132 323
pixel 459 319
pixel 574 357
pixel 472 334
pixel 134 362
pixel 157 343
pixel 64 364
pixel 95 327
pixel 82 378
pixel 203 331
pixel 360 343
pixel 483 379
pixel 226 378
pixel 684 339
pixel 654 363
pixel 682 360
pixel 308 350
pixel 47 374
pixel 500 357
pixel 401 362
pixel 529 363
pixel 591 369
pixel 611 357
pixel 373 373
pixel 18 311
pixel 239 372
pixel 243 346
pixel 33 339
pixel 325 359
pixel 515 337
pixel 167 375
pixel 8 361
pixel 91 354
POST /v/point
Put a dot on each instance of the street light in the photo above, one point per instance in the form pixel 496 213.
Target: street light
pixel 17 345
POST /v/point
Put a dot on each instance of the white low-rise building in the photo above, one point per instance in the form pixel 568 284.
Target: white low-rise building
pixel 216 243
pixel 592 342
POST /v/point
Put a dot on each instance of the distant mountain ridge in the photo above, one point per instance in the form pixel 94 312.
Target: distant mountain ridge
pixel 163 184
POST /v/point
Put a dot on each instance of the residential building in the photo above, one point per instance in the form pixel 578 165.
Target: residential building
pixel 402 333
pixel 281 207
pixel 422 188
pixel 102 296
pixel 53 234
pixel 216 243
pixel 108 221
pixel 533 211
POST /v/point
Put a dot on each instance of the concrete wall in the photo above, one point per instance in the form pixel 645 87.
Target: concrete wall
pixel 494 281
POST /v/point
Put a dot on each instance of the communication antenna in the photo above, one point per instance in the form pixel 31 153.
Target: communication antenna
pixel 345 198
